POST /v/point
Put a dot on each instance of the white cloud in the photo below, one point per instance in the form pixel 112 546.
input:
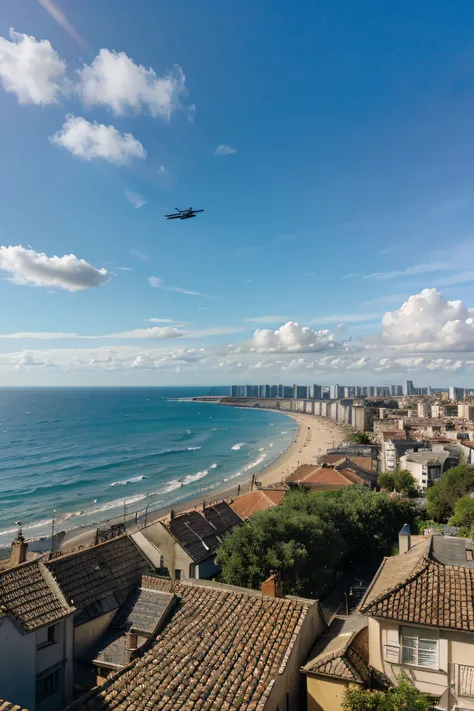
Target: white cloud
pixel 153 332
pixel 31 69
pixel 115 81
pixel 158 283
pixel 267 319
pixel 458 278
pixel 155 282
pixel 125 269
pixel 161 320
pixel 88 140
pixel 223 150
pixel 134 199
pixel 351 275
pixel 25 266
pixel 291 337
pixel 191 113
pixel 428 322
pixel 40 335
pixel 162 170
pixel 410 271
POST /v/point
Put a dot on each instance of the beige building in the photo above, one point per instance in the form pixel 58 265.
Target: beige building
pixel 339 658
pixel 420 607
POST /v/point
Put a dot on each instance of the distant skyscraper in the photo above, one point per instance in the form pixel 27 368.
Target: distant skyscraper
pixel 274 391
pixel 409 389
pixel 234 391
pixel 456 393
pixel 314 392
pixel 281 390
pixel 287 391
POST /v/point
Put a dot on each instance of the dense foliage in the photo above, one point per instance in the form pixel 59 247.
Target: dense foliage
pixel 360 437
pixel 404 697
pixel 463 513
pixel 443 496
pixel 399 480
pixel 311 537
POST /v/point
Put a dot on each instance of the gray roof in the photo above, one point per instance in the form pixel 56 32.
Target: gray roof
pixel 453 551
pixel 143 613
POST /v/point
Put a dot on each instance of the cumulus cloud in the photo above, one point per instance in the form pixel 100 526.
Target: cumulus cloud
pixel 88 140
pixel 291 337
pixel 428 322
pixel 115 81
pixel 223 150
pixel 134 199
pixel 25 266
pixel 31 69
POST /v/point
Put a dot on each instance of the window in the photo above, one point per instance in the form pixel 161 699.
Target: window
pixel 418 650
pixel 46 636
pixel 47 685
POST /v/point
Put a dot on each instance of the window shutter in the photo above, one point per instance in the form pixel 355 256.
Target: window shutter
pixel 392 646
pixel 443 654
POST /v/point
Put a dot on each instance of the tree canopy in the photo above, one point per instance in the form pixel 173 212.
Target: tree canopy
pixel 463 513
pixel 311 537
pixel 360 437
pixel 443 496
pixel 404 697
pixel 399 480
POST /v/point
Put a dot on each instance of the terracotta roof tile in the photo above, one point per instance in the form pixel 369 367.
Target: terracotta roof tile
pixel 94 573
pixel 347 657
pixel 415 588
pixel 258 500
pixel 221 649
pixel 29 593
pixel 7 706
pixel 321 477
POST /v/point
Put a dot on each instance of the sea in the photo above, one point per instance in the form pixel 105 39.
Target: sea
pixel 86 455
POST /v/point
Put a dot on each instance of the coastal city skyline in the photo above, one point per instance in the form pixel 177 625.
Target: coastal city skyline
pixel 293 271
pixel 336 391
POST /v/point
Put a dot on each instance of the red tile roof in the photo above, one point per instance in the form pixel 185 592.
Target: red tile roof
pixel 417 589
pixel 258 500
pixel 320 477
pixel 223 648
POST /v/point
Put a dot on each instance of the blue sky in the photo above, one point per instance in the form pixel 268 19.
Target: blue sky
pixel 348 189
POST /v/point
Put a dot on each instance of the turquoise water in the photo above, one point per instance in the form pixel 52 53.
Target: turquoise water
pixel 85 451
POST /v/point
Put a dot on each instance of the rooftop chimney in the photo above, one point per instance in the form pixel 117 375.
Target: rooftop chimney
pixel 19 548
pixel 271 587
pixel 404 540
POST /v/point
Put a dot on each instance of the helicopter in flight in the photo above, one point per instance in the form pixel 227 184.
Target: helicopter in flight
pixel 183 214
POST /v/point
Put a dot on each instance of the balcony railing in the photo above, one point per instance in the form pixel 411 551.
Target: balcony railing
pixel 465 680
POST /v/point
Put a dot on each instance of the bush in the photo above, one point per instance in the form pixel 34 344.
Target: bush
pixel 404 697
pixel 312 537
pixel 360 437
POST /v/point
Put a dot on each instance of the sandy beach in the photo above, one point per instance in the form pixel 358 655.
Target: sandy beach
pixel 315 435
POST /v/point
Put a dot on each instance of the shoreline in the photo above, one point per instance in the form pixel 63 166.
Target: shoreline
pixel 313 437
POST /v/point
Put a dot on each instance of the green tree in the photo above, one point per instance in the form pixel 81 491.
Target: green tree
pixel 463 513
pixel 360 437
pixel 443 496
pixel 399 480
pixel 311 537
pixel 403 697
